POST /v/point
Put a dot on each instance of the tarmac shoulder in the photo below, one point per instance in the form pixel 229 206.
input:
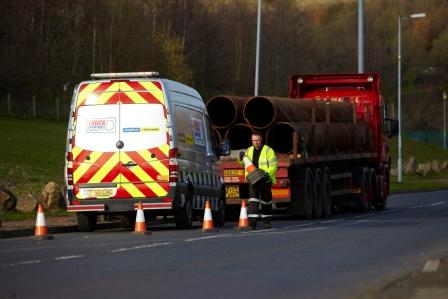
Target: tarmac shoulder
pixel 430 281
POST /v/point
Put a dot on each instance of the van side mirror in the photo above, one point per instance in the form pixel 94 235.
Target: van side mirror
pixel 224 148
pixel 391 127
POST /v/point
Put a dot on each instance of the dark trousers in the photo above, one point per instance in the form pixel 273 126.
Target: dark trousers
pixel 260 194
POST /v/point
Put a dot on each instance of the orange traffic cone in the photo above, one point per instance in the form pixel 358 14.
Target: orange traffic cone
pixel 248 165
pixel 244 220
pixel 140 223
pixel 207 224
pixel 40 233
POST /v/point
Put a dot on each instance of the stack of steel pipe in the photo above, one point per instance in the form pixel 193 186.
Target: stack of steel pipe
pixel 322 126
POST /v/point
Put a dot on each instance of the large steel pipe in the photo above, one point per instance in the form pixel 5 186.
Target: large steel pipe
pixel 261 112
pixel 240 136
pixel 319 138
pixel 311 137
pixel 224 111
pixel 349 137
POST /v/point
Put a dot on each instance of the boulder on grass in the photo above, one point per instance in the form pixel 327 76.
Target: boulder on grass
pixel 393 172
pixel 8 200
pixel 435 166
pixel 411 166
pixel 52 198
pixel 423 169
pixel 26 203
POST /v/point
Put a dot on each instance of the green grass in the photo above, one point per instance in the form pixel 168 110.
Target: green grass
pixel 19 216
pixel 423 153
pixel 31 154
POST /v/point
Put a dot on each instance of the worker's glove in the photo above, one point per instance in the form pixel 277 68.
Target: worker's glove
pixel 267 177
pixel 241 155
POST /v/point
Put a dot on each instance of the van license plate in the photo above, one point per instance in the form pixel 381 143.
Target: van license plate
pixel 233 191
pixel 99 192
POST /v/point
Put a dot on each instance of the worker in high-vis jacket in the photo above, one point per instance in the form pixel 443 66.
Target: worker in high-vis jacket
pixel 262 157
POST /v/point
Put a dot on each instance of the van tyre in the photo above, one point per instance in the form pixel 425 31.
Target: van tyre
pixel 127 220
pixel 184 215
pixel 86 221
pixel 219 216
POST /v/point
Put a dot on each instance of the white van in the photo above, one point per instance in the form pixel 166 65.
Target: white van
pixel 133 137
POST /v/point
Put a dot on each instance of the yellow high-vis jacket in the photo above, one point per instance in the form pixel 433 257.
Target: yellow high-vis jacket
pixel 266 162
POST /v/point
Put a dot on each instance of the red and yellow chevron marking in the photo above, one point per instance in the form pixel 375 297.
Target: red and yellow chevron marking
pixel 151 175
pixel 126 92
pixel 148 179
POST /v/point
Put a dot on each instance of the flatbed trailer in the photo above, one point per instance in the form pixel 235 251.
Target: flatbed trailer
pixel 314 184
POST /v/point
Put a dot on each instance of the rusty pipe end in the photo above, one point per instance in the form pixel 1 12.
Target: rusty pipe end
pixel 222 111
pixel 259 112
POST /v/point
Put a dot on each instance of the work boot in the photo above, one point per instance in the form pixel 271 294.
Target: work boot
pixel 253 223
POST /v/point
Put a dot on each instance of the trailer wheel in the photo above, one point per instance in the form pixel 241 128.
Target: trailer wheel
pixel 87 221
pixel 184 215
pixel 326 193
pixel 381 203
pixel 363 198
pixel 219 217
pixel 306 193
pixel 318 194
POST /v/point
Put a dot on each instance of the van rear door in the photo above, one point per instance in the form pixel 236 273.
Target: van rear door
pixel 120 148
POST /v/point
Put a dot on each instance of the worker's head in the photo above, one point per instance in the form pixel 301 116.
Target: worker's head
pixel 257 140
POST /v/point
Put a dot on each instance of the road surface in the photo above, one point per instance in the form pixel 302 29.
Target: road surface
pixel 339 257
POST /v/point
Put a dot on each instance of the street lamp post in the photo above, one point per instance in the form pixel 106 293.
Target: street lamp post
pixel 445 97
pixel 257 49
pixel 400 161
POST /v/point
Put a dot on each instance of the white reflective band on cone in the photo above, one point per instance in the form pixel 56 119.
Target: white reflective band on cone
pixel 40 220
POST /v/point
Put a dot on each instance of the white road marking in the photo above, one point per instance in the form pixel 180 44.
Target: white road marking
pixel 68 257
pixel 298 225
pixel 437 203
pixel 276 232
pixel 328 221
pixel 360 216
pixel 294 231
pixel 259 231
pixel 431 266
pixel 21 263
pixel 208 237
pixel 140 247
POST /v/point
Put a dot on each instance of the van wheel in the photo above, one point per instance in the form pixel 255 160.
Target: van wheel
pixel 127 220
pixel 219 217
pixel 86 221
pixel 184 215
